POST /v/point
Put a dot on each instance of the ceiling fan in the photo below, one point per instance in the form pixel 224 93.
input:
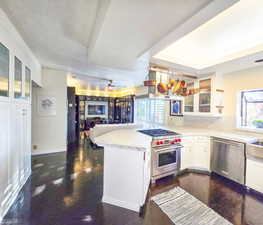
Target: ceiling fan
pixel 110 85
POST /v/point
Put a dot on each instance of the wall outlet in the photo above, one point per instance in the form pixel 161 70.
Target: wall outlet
pixel 34 147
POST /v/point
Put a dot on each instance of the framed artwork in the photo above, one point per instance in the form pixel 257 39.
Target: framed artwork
pixel 176 108
pixel 46 106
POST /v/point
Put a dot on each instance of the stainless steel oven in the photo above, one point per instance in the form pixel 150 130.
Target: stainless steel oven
pixel 165 161
pixel 166 152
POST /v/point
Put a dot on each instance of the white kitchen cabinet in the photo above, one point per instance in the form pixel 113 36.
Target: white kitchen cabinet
pixel 4 153
pixel 201 153
pixel 253 172
pixel 195 153
pixel 16 64
pixel 146 175
pixel 126 176
pixel 22 127
pixel 15 154
pixel 209 100
pixel 15 145
pixel 186 152
pixel 15 128
pixel 26 142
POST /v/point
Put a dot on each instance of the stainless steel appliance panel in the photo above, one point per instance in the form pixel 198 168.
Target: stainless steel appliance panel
pixel 228 159
pixel 165 160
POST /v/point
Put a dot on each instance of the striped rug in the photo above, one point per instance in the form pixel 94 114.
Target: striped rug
pixel 184 209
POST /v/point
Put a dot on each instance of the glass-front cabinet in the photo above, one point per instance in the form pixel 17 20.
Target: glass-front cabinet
pixel 4 71
pixel 27 83
pixel 205 95
pixel 13 71
pixel 18 79
pixel 208 101
pixel 189 100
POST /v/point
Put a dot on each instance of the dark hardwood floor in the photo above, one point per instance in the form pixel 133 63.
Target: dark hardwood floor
pixel 68 192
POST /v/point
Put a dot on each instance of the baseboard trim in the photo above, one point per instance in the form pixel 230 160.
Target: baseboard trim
pixel 193 170
pixel 122 204
pixel 199 170
pixel 43 152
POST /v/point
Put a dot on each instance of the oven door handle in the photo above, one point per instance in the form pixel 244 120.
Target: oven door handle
pixel 164 150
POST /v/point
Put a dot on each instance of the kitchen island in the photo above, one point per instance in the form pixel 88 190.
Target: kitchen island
pixel 127 160
pixel 127 168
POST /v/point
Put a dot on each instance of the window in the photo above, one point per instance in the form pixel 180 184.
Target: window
pixel 150 110
pixel 4 71
pixel 252 109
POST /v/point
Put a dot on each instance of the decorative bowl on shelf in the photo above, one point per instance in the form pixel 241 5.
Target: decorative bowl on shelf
pixel 258 123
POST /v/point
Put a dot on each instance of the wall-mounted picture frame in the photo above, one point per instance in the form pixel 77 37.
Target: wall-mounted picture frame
pixel 46 106
pixel 176 108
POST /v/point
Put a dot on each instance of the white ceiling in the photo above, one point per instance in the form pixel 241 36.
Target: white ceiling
pixel 233 34
pixel 110 39
pixel 131 27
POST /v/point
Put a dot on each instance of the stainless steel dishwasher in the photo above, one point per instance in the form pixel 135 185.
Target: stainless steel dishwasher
pixel 228 159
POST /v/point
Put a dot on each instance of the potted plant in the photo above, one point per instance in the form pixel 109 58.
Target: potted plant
pixel 258 123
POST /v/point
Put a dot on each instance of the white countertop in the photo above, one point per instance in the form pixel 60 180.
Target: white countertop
pixel 132 139
pixel 128 138
pixel 231 135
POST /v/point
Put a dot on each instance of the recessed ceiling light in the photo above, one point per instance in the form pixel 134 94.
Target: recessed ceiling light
pixel 232 34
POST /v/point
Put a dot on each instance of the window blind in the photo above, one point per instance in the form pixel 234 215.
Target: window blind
pixel 150 110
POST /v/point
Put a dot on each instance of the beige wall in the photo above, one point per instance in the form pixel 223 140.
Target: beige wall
pixel 49 133
pixel 233 84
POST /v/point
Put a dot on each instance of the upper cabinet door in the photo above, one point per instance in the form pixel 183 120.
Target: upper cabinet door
pixel 205 95
pixel 18 79
pixel 189 100
pixel 4 71
pixel 27 83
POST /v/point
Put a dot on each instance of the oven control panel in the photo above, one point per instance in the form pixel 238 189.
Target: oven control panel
pixel 166 141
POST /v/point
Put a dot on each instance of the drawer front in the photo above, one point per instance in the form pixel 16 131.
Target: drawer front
pixel 256 152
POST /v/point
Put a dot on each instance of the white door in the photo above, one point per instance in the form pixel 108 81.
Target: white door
pixel 26 141
pixel 201 153
pixel 27 138
pixel 19 138
pixel 15 144
pixel 4 148
pixel 186 157
pixel 187 152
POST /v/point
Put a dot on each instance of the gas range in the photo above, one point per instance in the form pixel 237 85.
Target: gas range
pixel 166 152
pixel 158 132
pixel 162 137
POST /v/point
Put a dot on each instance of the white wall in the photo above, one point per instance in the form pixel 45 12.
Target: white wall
pixel 49 133
pixel 15 43
pixel 172 120
pixel 233 83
